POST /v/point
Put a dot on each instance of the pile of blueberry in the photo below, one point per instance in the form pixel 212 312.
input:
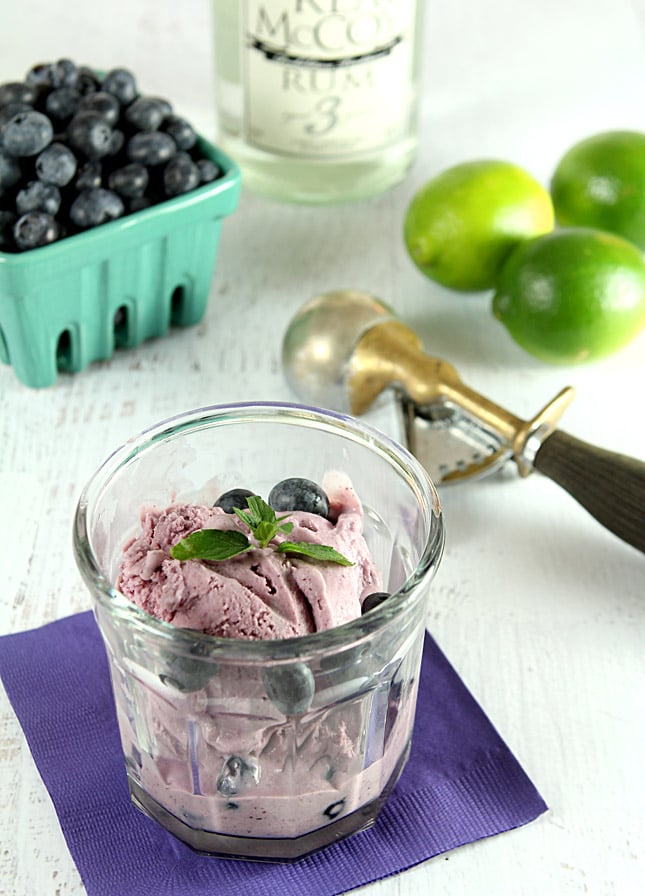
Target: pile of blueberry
pixel 78 150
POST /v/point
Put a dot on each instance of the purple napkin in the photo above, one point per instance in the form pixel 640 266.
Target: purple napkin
pixel 461 783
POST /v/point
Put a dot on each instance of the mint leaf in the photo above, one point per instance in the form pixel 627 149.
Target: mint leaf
pixel 262 511
pixel 210 544
pixel 262 521
pixel 264 532
pixel 313 552
pixel 246 517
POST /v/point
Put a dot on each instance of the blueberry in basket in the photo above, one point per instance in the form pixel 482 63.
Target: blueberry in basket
pixel 111 206
pixel 79 149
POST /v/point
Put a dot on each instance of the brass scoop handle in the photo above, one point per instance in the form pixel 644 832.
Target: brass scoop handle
pixel 344 348
pixel 390 353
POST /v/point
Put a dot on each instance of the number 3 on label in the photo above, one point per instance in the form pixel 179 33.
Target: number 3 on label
pixel 327 118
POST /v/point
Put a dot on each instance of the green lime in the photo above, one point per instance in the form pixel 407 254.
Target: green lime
pixel 600 182
pixel 573 295
pixel 460 227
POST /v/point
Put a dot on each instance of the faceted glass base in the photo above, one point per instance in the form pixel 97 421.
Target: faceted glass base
pixel 267 849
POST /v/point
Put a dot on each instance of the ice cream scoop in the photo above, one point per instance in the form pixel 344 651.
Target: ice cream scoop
pixel 344 348
pixel 260 593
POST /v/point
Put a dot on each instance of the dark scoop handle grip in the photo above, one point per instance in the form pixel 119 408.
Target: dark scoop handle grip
pixel 610 486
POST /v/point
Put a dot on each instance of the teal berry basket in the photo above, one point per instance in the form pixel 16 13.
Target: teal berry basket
pixel 65 305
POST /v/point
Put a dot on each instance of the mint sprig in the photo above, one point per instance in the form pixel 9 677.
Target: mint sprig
pixel 313 552
pixel 262 521
pixel 211 544
pixel 260 518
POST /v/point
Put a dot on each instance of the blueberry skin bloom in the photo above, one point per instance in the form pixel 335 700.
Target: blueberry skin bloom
pixel 62 103
pixel 130 181
pixel 104 104
pixel 38 197
pixel 146 113
pixel 7 113
pixel 299 494
pixel 56 165
pixel 18 92
pixel 27 134
pixel 35 229
pixel 94 207
pixel 151 148
pixel 181 131
pixel 90 134
pixel 235 497
pixel 208 171
pixel 89 176
pixel 181 175
pixel 120 83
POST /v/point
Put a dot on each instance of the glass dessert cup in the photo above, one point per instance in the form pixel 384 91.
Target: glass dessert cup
pixel 263 749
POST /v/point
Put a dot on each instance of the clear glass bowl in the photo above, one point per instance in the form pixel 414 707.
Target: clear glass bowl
pixel 263 749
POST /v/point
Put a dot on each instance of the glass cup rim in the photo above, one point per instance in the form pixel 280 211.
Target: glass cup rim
pixel 107 596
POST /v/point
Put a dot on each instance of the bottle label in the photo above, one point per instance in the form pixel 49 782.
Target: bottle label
pixel 325 78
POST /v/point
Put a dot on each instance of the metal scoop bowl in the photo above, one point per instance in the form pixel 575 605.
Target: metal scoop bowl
pixel 344 348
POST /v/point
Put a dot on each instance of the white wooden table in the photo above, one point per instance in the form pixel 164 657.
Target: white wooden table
pixel 541 610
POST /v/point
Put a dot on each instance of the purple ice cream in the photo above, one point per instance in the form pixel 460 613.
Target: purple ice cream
pixel 260 594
